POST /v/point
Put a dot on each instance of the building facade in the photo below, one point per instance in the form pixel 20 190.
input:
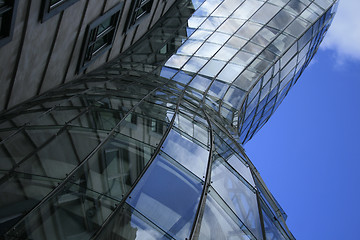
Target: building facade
pixel 143 139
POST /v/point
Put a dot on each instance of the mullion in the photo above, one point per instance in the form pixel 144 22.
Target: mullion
pixel 56 4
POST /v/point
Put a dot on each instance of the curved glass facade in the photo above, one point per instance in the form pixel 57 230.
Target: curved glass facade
pixel 149 146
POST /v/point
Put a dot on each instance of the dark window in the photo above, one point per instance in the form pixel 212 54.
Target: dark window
pixel 7 20
pixel 156 125
pixel 53 7
pixel 99 36
pixel 139 9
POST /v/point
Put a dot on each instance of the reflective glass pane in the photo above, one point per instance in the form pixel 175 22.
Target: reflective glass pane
pixel 130 224
pixel 271 231
pixel 55 161
pixel 19 194
pixel 243 170
pixel 25 142
pixel 200 83
pixel 72 213
pixel 145 129
pixel 167 195
pixel 247 9
pixel 208 49
pixel 238 196
pixel 114 168
pixel 218 224
pixel 212 68
pixel 187 152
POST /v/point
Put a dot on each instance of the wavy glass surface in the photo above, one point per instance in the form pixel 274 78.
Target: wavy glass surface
pixel 149 145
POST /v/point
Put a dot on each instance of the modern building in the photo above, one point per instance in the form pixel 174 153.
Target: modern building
pixel 127 119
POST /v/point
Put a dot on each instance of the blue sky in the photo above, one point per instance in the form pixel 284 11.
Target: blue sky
pixel 309 151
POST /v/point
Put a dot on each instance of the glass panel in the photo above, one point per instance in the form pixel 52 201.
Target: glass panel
pixel 56 162
pixel 247 9
pixel 100 43
pixel 130 224
pixel 114 168
pixel 234 96
pixel 23 143
pixel 295 6
pixel 187 153
pixel 212 68
pixel 19 195
pixel 182 77
pixel 212 23
pixel 230 72
pixel 104 25
pixel 148 130
pixel 207 7
pixel 167 195
pixel 225 53
pixel 176 61
pixel 230 25
pixel 189 47
pixel 207 50
pixel 240 167
pixel 200 35
pixel 72 213
pixel 271 231
pixel 200 83
pixel 218 224
pixel 218 89
pixel 194 64
pixel 281 20
pixel 265 13
pixel 219 38
pixel 238 196
pixel 248 30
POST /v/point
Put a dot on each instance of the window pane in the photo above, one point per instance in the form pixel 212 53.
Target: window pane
pixel 73 213
pixel 130 224
pixel 238 196
pixel 56 162
pixel 217 224
pixel 114 168
pixel 19 195
pixel 271 230
pixel 186 152
pixel 168 196
pixel 104 25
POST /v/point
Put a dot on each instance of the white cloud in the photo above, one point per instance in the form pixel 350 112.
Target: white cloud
pixel 344 34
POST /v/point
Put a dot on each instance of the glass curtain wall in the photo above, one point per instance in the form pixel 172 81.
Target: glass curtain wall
pixel 149 145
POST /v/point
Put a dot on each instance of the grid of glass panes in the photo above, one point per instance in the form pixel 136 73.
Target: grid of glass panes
pixel 102 152
pixel 230 46
pixel 103 167
pixel 132 141
pixel 274 85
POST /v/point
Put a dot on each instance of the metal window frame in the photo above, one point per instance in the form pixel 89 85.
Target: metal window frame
pixel 92 36
pixel 134 9
pixel 49 10
pixel 8 13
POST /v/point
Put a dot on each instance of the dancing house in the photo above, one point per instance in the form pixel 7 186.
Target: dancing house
pixel 127 119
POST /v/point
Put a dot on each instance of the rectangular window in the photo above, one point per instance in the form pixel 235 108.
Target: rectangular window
pixel 53 7
pixel 7 20
pixel 99 36
pixel 139 9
